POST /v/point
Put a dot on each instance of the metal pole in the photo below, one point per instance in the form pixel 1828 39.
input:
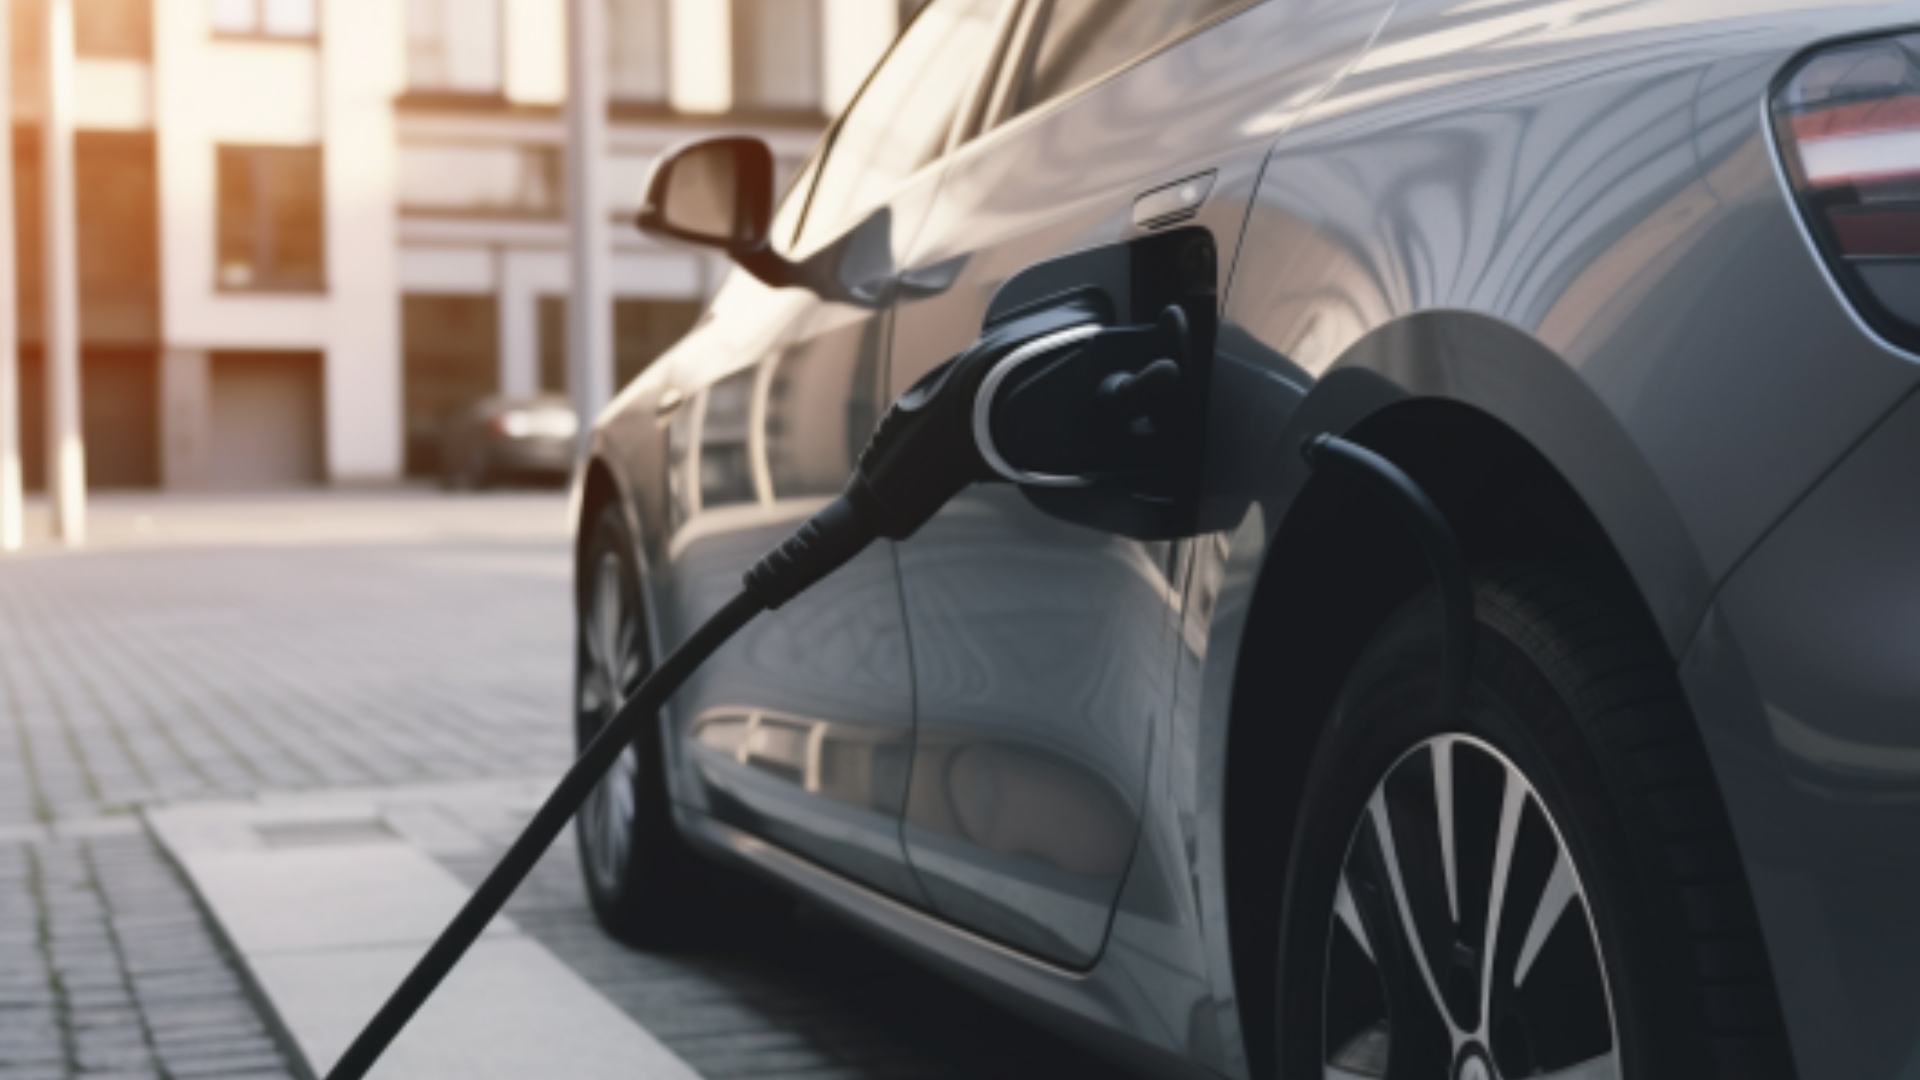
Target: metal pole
pixel 590 306
pixel 66 452
pixel 12 529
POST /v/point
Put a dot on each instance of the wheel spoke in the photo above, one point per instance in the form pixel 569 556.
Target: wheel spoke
pixel 1512 804
pixel 627 662
pixel 1442 755
pixel 607 616
pixel 1559 892
pixel 594 698
pixel 1515 900
pixel 1350 917
pixel 1383 831
pixel 1604 1067
pixel 611 665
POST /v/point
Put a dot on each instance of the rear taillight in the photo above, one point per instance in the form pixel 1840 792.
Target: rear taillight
pixel 1848 123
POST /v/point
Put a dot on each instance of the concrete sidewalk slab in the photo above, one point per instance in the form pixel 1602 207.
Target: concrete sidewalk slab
pixel 329 904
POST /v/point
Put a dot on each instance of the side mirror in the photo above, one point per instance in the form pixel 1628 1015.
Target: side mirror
pixel 717 193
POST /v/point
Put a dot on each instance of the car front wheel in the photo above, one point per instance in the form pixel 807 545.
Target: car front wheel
pixel 647 888
pixel 1543 886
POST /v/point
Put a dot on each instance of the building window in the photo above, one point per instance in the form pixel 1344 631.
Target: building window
pixel 454 179
pixel 776 55
pixel 450 359
pixel 122 29
pixel 266 18
pixel 270 234
pixel 637 50
pixel 454 46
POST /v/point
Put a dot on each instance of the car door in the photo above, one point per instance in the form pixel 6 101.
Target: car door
pixel 800 730
pixel 1041 650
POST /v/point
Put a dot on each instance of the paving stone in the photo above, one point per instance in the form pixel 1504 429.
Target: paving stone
pixel 182 1066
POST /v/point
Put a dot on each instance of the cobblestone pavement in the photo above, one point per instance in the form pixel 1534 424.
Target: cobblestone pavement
pixel 208 648
pixel 107 970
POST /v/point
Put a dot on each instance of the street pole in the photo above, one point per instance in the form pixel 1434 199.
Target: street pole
pixel 12 529
pixel 66 452
pixel 590 304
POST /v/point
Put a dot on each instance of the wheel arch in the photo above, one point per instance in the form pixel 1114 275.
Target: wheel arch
pixel 1523 459
pixel 597 488
pixel 600 485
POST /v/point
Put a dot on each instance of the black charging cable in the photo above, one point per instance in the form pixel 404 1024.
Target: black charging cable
pixel 1390 483
pixel 922 454
pixel 533 842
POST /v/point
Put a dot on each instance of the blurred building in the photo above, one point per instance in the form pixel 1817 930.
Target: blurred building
pixel 310 227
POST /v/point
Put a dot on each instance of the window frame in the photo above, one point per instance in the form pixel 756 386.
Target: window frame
pixel 740 107
pixel 320 284
pixel 412 92
pixel 85 46
pixel 259 32
pixel 648 105
pixel 551 159
pixel 970 107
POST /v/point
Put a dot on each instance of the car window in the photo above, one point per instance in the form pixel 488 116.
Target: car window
pixel 901 118
pixel 1081 40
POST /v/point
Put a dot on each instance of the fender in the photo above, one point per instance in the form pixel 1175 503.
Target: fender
pixel 1263 408
pixel 1473 360
pixel 615 449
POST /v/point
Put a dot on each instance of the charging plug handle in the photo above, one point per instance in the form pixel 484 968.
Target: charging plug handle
pixel 924 451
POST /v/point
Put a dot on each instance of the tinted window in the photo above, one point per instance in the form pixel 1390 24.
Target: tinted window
pixel 269 230
pixel 1081 40
pixel 901 118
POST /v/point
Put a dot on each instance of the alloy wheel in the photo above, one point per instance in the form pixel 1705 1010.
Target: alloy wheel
pixel 1461 944
pixel 611 667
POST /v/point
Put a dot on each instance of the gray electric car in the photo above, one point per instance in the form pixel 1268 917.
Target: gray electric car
pixel 1629 289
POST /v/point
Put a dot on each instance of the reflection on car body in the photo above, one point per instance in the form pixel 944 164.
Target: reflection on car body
pixel 1624 287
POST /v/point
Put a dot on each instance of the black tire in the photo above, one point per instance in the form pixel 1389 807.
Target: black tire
pixel 1573 694
pixel 647 888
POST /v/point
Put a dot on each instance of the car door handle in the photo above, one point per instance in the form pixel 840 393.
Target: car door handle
pixel 1173 202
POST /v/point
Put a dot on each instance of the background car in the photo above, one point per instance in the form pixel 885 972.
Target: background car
pixel 1627 289
pixel 503 437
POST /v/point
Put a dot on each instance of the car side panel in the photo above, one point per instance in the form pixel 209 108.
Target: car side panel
pixel 1824 622
pixel 1042 649
pixel 1591 181
pixel 799 730
pixel 1598 177
pixel 1567 216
